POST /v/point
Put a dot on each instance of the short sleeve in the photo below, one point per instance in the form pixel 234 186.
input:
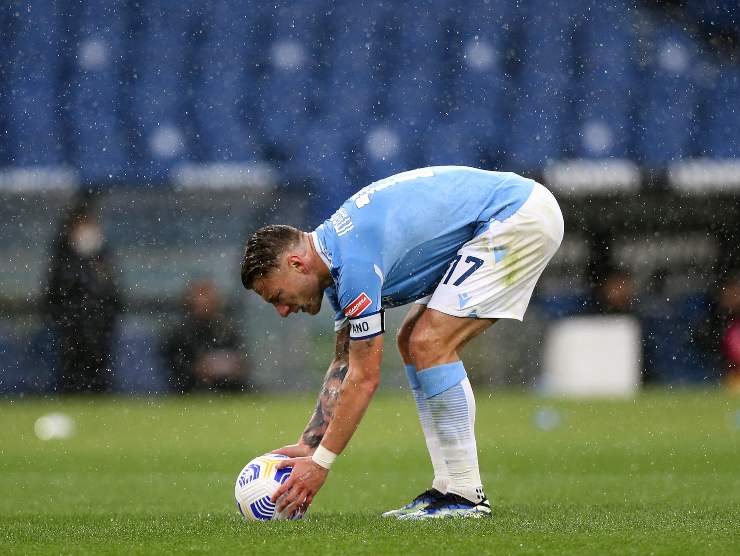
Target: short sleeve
pixel 360 285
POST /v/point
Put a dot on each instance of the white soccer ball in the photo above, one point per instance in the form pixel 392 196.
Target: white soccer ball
pixel 256 484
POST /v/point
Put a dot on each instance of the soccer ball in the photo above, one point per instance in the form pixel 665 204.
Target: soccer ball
pixel 256 484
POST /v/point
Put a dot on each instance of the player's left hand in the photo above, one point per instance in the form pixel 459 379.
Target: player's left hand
pixel 296 494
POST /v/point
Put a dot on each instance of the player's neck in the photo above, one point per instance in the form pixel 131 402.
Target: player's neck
pixel 317 262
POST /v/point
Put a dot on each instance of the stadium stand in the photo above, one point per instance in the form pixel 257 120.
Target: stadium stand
pixel 225 87
pixel 474 86
pixel 6 61
pixel 543 85
pixel 125 92
pixel 34 88
pixel 667 128
pixel 98 141
pixel 719 132
pixel 168 34
pixel 606 83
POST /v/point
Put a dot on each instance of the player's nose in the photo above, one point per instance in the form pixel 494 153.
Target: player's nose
pixel 283 310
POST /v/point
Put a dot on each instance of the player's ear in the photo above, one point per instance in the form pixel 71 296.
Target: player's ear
pixel 297 263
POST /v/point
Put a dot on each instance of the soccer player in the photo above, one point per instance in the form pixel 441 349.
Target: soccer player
pixel 467 246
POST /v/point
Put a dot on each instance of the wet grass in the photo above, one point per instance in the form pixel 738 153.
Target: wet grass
pixel 655 475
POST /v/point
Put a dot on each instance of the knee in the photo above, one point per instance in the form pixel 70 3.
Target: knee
pixel 426 347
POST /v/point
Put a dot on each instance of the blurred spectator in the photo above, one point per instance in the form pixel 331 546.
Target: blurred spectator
pixel 82 300
pixel 203 350
pixel 614 294
pixel 725 330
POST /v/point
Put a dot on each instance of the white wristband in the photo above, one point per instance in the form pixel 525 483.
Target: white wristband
pixel 323 457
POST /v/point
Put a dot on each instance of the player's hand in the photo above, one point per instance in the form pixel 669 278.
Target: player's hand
pixel 295 450
pixel 297 493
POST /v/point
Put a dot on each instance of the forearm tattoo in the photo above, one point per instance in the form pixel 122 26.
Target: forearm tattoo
pixel 326 403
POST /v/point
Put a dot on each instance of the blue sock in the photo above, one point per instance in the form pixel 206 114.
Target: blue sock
pixel 436 380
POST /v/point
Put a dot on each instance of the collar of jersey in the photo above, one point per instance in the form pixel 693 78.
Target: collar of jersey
pixel 321 249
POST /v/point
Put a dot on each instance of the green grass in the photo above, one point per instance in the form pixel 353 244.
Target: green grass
pixel 659 475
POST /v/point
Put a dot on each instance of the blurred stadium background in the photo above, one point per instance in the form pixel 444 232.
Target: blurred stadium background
pixel 197 122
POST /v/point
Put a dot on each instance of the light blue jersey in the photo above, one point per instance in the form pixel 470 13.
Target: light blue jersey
pixel 390 243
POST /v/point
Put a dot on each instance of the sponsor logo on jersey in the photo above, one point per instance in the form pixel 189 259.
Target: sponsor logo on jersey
pixel 356 307
pixel 342 222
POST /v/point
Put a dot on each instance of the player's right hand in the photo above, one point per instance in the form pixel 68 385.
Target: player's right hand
pixel 295 450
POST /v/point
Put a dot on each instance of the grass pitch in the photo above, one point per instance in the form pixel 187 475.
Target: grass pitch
pixel 660 475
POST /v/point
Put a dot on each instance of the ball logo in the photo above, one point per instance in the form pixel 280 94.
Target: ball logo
pixel 356 307
pixel 249 474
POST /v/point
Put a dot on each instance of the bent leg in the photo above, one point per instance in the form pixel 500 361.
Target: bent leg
pixel 434 346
